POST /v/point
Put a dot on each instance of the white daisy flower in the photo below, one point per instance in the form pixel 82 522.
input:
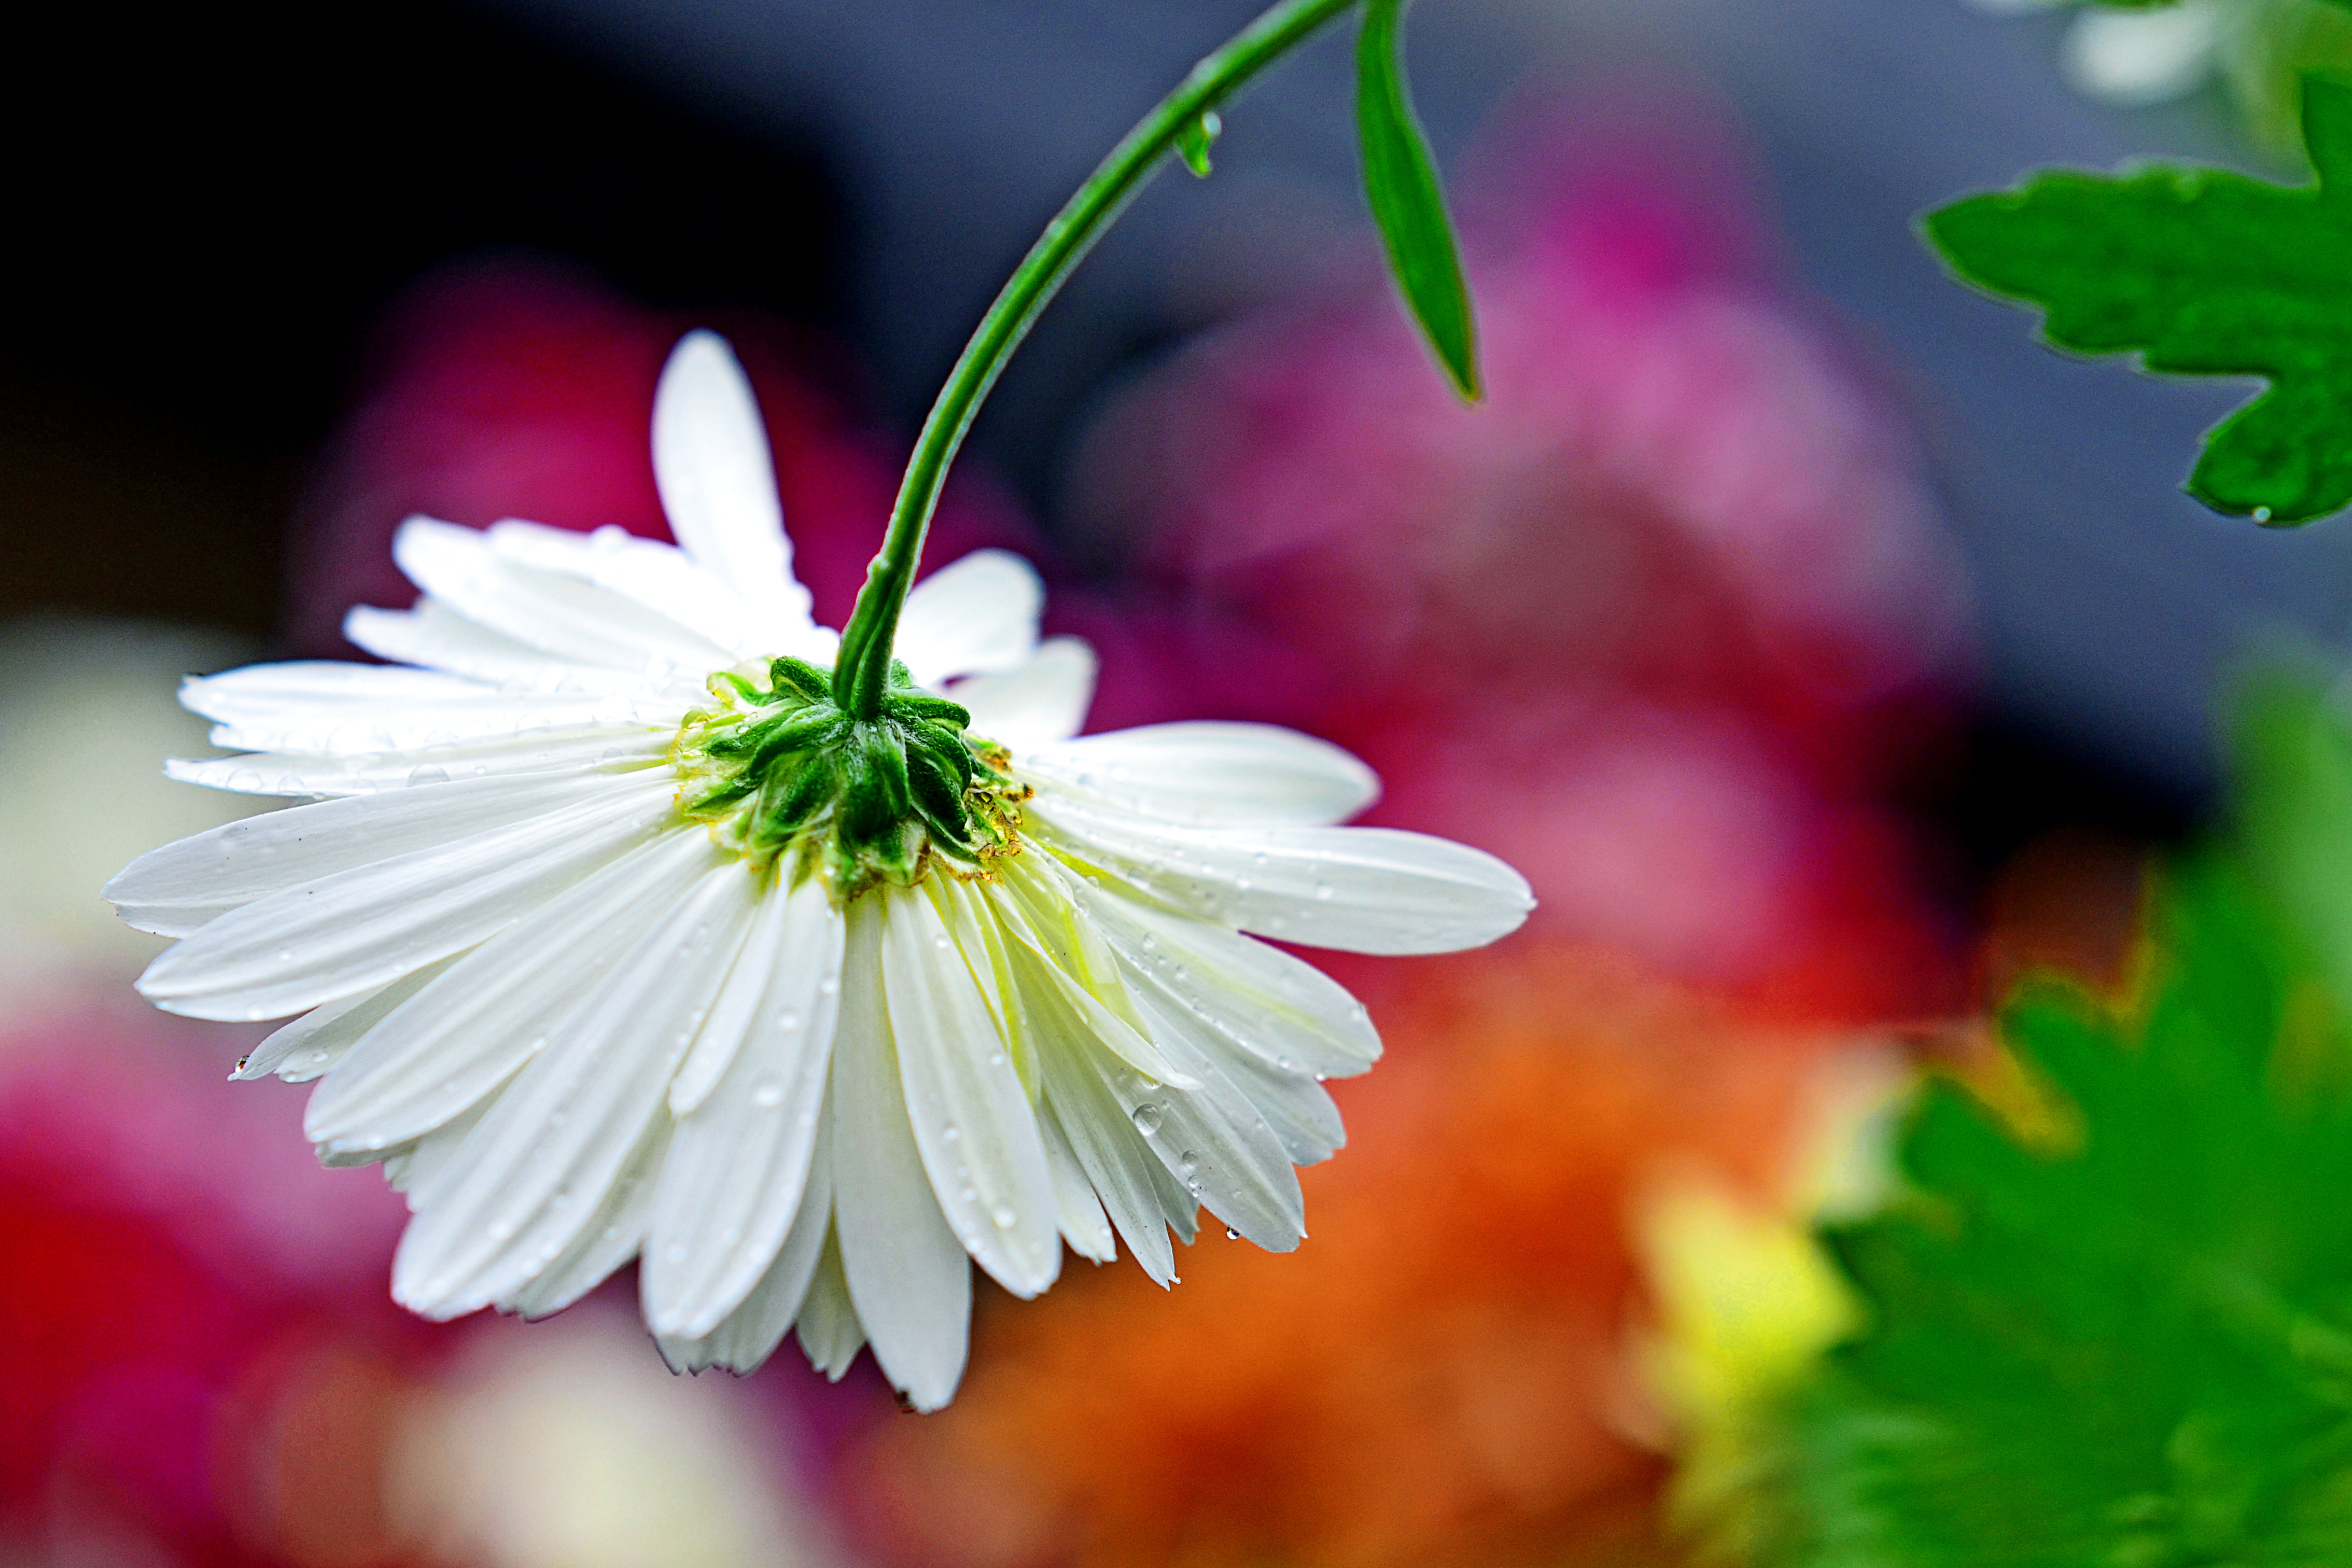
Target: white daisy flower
pixel 613 937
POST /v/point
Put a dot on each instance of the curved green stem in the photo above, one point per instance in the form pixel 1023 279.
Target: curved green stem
pixel 861 674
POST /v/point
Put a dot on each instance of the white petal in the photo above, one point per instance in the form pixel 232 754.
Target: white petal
pixel 467 1032
pixel 1364 890
pixel 1209 774
pixel 1043 701
pixel 558 615
pixel 739 1004
pixel 1207 1134
pixel 340 709
pixel 829 1330
pixel 970 1112
pixel 1084 1224
pixel 907 1274
pixel 263 692
pixel 718 481
pixel 433 634
pixel 175 890
pixel 1108 1144
pixel 416 1165
pixel 661 577
pixel 1220 1147
pixel 526 1184
pixel 1263 1001
pixel 2134 58
pixel 312 1044
pixel 977 615
pixel 751 1333
pixel 1044 984
pixel 735 1174
pixel 573 751
pixel 365 928
pixel 610 1238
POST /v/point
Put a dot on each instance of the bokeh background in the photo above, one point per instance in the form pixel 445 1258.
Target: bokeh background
pixel 1824 652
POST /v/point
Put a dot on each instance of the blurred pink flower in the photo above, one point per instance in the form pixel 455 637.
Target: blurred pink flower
pixel 1658 622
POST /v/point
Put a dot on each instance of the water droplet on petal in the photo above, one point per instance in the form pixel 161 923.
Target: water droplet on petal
pixel 951 1133
pixel 1147 1117
pixel 768 1092
pixel 941 941
pixel 1002 1216
pixel 788 1020
pixel 1323 890
pixel 501 1229
pixel 1231 1234
pixel 428 775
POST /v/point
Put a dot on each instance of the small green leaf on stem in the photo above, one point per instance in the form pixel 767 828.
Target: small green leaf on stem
pixel 1401 185
pixel 1194 140
pixel 2202 272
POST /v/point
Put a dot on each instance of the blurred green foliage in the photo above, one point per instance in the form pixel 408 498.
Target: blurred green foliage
pixel 2120 1335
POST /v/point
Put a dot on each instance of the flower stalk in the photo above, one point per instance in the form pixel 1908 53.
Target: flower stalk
pixel 861 676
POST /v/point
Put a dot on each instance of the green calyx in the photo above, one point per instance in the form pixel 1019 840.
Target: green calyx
pixel 785 776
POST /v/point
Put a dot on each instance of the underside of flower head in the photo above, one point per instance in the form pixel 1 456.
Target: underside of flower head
pixel 807 1007
pixel 786 779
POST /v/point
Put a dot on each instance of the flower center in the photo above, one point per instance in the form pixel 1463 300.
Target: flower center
pixel 782 773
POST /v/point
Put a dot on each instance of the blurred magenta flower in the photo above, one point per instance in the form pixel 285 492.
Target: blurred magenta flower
pixel 171 1256
pixel 1656 623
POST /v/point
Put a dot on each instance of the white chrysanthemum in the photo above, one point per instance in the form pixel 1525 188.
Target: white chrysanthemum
pixel 592 948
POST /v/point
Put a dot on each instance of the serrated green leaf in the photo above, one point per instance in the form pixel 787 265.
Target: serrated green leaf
pixel 1407 202
pixel 2201 273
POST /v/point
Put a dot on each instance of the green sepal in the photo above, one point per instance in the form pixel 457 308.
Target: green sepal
pixel 800 678
pixel 711 801
pixel 805 731
pixel 888 754
pixel 744 739
pixel 787 806
pixel 930 708
pixel 937 793
pixel 744 691
pixel 946 753
pixel 867 815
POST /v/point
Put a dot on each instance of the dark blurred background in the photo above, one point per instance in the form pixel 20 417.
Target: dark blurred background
pixel 214 207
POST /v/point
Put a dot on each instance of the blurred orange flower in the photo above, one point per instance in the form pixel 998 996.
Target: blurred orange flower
pixel 1437 1376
